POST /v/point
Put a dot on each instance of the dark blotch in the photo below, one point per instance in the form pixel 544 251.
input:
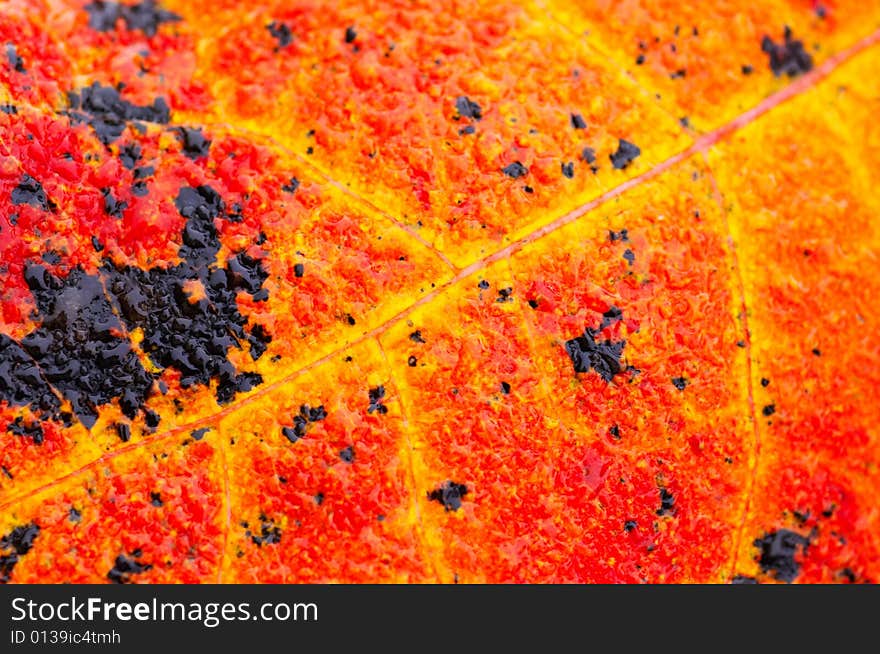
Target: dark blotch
pixel 611 316
pixel 350 34
pixel 112 206
pixel 578 122
pixel 15 61
pixel 680 383
pixel 667 503
pixel 78 347
pixel 515 170
pixel 301 422
pixel 568 169
pixel 194 337
pixel 347 454
pixel 143 16
pixel 104 109
pixel 291 186
pixel 22 429
pixel 269 533
pixel 777 552
pixel 156 499
pixel 787 58
pixel 449 494
pixel 199 434
pixel 30 191
pixel 123 430
pixel 129 155
pixel 769 410
pixel 193 142
pixel 467 108
pixel 22 383
pixel 281 33
pixel 377 395
pixel 625 155
pixel 13 546
pixel 416 337
pixel 126 566
pixel 602 356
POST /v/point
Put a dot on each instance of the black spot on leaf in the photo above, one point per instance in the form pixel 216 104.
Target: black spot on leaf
pixel 449 494
pixel 199 434
pixel 13 546
pixel 787 58
pixel 667 503
pixel 22 383
pixel 78 347
pixel 108 114
pixel 14 59
pixel 30 191
pixel 307 415
pixel 281 33
pixel 625 154
pixel 377 395
pixel 467 108
pixel 515 170
pixel 125 567
pixel 777 553
pixel 269 533
pixel 113 207
pixel 123 430
pixel 144 16
pixel 193 142
pixel 680 383
pixel 603 356
pixel 22 429
pixel 291 186
pixel 588 155
pixel 129 155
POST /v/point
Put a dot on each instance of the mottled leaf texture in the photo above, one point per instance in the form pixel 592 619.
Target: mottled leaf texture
pixel 513 291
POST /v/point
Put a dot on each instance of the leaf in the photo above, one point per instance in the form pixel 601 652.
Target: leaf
pixel 275 312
